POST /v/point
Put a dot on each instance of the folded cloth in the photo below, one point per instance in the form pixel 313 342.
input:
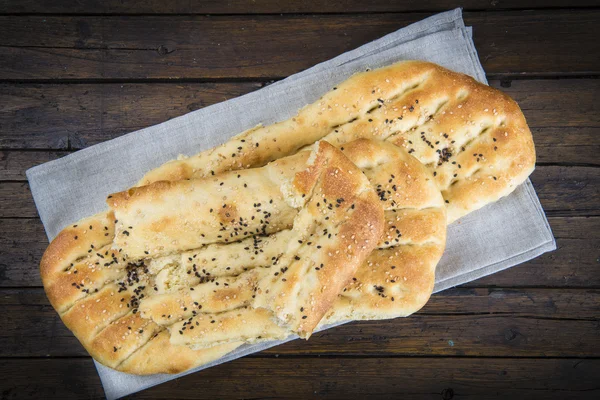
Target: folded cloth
pixel 489 240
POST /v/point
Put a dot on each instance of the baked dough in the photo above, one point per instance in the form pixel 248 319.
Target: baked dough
pixel 473 138
pixel 315 210
pixel 330 207
pixel 396 280
pixel 398 277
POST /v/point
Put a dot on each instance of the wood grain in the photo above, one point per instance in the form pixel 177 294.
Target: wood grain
pixel 573 264
pixel 563 115
pixel 13 164
pixel 269 6
pixel 566 191
pixel 77 116
pixel 415 378
pixel 16 200
pixel 458 322
pixel 23 242
pixel 78 72
pixel 202 47
pixel 555 102
pixel 63 117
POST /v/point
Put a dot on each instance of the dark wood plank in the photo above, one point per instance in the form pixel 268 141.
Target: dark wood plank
pixel 457 322
pixel 579 148
pixel 76 116
pixel 415 378
pixel 16 200
pixel 54 379
pixel 567 191
pixel 573 264
pixel 22 244
pixel 201 47
pixel 563 116
pixel 566 145
pixel 269 6
pixel 13 164
pixel 555 103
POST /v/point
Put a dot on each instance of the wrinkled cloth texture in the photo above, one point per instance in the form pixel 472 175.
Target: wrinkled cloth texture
pixel 501 235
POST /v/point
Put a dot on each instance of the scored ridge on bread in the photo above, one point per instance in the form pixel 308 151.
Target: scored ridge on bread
pixel 474 138
pixel 396 279
pixel 102 278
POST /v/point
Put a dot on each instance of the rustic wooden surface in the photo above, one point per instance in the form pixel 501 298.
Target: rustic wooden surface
pixel 75 73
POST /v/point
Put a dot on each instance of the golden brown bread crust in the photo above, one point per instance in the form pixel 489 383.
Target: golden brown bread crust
pixel 397 278
pixel 104 288
pixel 474 138
pixel 74 242
pixel 79 260
pixel 250 325
pixel 339 226
pixel 159 356
pixel 167 217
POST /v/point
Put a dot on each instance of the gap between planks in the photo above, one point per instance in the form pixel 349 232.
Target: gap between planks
pixel 505 78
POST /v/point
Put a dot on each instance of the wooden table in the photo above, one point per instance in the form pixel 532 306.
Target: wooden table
pixel 75 73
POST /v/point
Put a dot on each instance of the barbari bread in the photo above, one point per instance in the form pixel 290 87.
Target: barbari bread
pixel 472 137
pixel 396 280
pixel 320 200
pixel 112 276
pixel 127 297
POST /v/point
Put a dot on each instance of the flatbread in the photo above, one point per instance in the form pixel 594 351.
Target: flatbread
pixel 105 274
pixel 396 280
pixel 472 137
